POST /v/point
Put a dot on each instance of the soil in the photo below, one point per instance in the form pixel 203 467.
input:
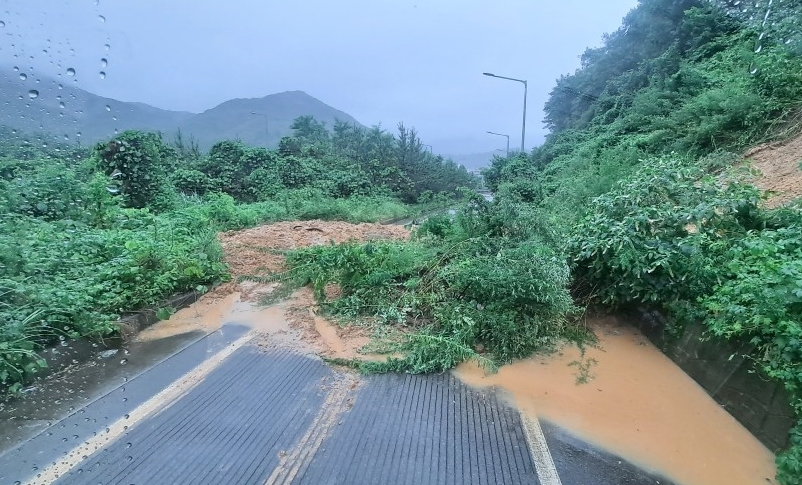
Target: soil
pixel 293 322
pixel 779 167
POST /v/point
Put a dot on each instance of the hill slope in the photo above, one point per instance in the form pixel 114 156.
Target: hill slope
pixel 235 119
pixel 45 105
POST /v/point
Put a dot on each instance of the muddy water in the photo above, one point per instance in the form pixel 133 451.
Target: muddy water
pixel 291 323
pixel 637 404
pixel 210 315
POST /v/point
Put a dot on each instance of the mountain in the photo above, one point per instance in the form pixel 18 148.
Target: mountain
pixel 259 121
pixel 45 105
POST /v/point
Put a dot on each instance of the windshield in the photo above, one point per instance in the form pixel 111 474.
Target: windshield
pixel 580 220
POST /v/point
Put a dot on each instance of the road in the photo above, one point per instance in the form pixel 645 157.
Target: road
pixel 233 408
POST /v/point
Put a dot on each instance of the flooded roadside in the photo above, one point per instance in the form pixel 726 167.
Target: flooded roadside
pixel 635 403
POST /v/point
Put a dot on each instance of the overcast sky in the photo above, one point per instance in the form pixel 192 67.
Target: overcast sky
pixel 381 61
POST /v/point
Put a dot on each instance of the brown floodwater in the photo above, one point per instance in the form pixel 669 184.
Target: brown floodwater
pixel 637 404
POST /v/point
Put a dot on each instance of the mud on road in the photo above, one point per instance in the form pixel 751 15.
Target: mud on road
pixel 294 322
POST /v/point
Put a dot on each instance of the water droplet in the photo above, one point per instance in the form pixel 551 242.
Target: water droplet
pixel 23 76
pixel 128 445
pixel 62 105
pixel 101 18
pixel 33 94
pixel 104 62
pixel 758 48
pixel 124 361
pixel 70 71
pixel 107 47
pixel 108 108
pixel 2 24
pixel 102 75
pixel 127 416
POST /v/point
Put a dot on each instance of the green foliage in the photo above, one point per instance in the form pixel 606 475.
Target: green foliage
pixel 701 247
pixel 139 161
pixel 73 258
pixel 485 277
pixel 659 234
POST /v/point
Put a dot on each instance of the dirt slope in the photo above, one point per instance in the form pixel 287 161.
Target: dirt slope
pixel 780 174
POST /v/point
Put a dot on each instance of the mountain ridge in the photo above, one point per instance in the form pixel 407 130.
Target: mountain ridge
pixel 47 106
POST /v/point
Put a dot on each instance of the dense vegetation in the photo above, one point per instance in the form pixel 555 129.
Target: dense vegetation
pixel 490 277
pixel 86 235
pixel 640 179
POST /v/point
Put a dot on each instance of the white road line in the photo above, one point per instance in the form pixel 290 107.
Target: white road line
pixel 335 404
pixel 158 402
pixel 544 463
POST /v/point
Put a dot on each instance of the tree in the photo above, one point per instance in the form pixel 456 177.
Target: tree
pixel 139 162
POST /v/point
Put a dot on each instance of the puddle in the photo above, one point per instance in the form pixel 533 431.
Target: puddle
pixel 637 404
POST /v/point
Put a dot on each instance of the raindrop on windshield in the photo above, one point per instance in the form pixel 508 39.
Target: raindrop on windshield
pixel 2 24
pixel 101 18
pixel 23 76
pixel 70 72
pixel 102 75
pixel 104 62
pixel 33 94
pixel 108 108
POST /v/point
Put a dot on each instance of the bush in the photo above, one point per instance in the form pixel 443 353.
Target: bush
pixel 660 235
pixel 472 279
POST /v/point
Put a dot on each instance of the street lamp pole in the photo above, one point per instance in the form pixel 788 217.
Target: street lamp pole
pixel 266 131
pixel 505 136
pixel 523 125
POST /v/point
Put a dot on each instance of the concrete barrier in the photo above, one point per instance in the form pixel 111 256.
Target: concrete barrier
pixel 729 376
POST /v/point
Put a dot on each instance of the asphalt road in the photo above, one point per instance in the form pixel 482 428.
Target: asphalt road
pixel 226 409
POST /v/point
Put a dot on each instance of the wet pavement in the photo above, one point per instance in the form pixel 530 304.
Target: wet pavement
pixel 229 408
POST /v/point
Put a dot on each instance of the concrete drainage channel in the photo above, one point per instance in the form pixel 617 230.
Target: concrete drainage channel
pixel 226 409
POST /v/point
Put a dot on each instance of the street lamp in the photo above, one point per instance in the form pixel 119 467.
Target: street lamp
pixel 266 133
pixel 508 140
pixel 523 126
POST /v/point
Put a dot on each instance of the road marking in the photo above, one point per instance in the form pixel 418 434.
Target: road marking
pixel 160 401
pixel 544 463
pixel 335 404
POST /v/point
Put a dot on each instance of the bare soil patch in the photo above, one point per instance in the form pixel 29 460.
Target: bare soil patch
pixel 780 174
pixel 295 322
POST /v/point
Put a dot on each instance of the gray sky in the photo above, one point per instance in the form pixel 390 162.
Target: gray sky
pixel 380 61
